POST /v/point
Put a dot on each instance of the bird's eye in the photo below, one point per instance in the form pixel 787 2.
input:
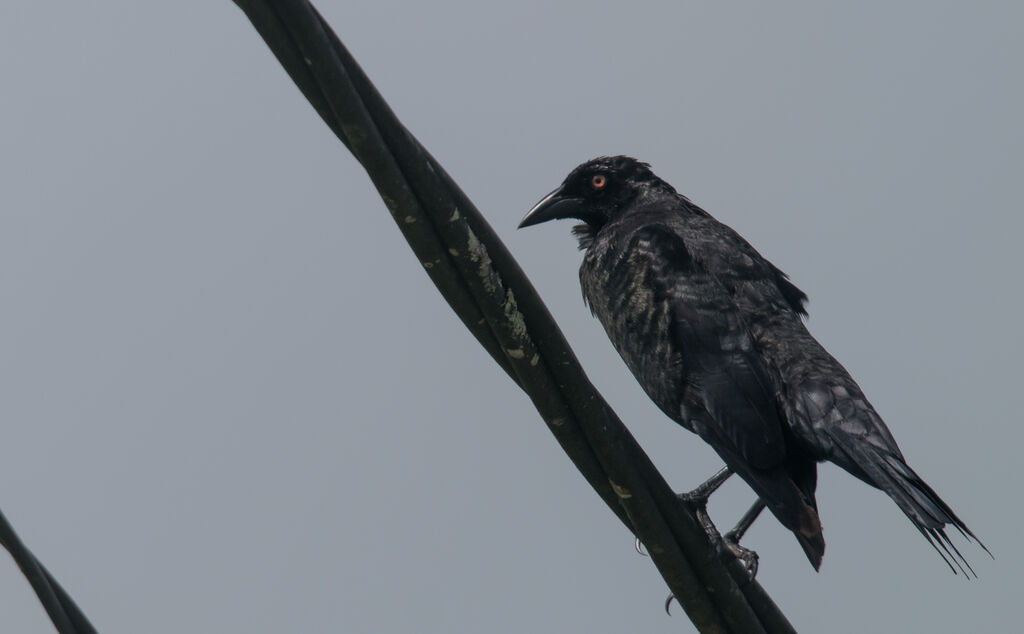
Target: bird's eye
pixel 598 181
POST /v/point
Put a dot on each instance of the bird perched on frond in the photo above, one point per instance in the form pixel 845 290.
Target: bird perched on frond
pixel 714 333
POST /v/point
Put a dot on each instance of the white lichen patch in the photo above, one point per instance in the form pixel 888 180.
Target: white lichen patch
pixel 409 220
pixel 455 215
pixel 478 253
pixel 493 286
pixel 428 265
pixel 454 252
pixel 557 421
pixel 515 353
pixel 308 61
pixel 535 360
pixel 514 317
pixel 620 491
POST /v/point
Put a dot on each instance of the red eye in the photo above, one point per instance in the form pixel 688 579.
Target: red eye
pixel 598 181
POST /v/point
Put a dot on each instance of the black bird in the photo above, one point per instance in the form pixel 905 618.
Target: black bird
pixel 713 332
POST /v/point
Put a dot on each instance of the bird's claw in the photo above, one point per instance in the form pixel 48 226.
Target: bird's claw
pixel 668 604
pixel 639 547
pixel 747 557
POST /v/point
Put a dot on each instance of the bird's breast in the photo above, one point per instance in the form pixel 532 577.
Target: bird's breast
pixel 638 323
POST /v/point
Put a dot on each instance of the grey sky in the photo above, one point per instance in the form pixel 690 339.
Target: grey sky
pixel 232 401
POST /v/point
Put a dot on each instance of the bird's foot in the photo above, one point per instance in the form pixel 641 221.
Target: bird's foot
pixel 746 556
pixel 697 502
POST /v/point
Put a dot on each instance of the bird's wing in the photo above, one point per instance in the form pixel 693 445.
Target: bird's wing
pixel 796 298
pixel 724 374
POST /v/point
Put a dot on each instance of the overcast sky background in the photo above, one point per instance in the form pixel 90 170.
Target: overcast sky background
pixel 233 402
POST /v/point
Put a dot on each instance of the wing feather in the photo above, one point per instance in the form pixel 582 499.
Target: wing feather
pixel 723 372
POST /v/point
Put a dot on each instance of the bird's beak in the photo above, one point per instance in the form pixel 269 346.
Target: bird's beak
pixel 555 205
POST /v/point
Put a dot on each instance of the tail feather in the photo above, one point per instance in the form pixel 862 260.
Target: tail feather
pixel 813 545
pixel 918 501
pixel 794 508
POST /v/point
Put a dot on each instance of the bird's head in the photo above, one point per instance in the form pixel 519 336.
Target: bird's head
pixel 596 192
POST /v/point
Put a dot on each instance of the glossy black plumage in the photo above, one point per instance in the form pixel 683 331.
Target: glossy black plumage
pixel 713 332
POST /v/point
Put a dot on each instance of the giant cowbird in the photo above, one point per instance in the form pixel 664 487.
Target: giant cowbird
pixel 714 333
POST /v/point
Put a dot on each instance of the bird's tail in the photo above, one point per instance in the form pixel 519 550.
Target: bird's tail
pixel 792 505
pixel 888 472
pixel 813 544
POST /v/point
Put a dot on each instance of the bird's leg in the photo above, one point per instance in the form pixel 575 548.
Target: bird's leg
pixel 705 489
pixel 698 500
pixel 733 537
pixel 741 528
